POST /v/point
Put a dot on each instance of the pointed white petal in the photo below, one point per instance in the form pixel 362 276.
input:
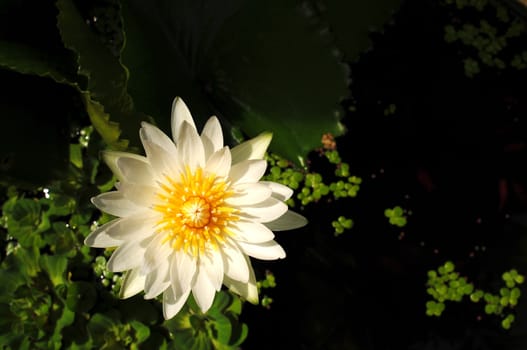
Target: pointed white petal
pixel 141 195
pixel 203 290
pixel 247 171
pixel 180 114
pixel 268 210
pixel 128 256
pixel 190 147
pixel 115 204
pixel 219 162
pixel 182 272
pixel 234 262
pixel 157 253
pixel 289 221
pixel 212 263
pixel 133 228
pixel 162 162
pixel 264 251
pixel 251 232
pixel 111 158
pixel 247 194
pixel 157 281
pixel 212 136
pixel 100 238
pixel 171 304
pixel 133 283
pixel 248 290
pixel 280 191
pixel 152 134
pixel 252 149
pixel 135 170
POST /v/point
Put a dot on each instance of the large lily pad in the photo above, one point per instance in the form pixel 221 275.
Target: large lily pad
pixel 107 97
pixel 259 65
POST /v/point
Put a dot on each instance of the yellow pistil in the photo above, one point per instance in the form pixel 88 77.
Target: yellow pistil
pixel 194 212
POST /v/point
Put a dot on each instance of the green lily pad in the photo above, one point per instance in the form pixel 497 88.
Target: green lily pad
pixel 106 95
pixel 259 66
pixel 272 71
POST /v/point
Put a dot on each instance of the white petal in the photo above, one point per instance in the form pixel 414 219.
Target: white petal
pixel 268 210
pixel 162 162
pixel 128 256
pixel 132 228
pixel 115 204
pixel 248 290
pixel 234 262
pixel 152 134
pixel 157 281
pixel 190 147
pixel 212 263
pixel 99 238
pixel 157 253
pixel 212 136
pixel 280 191
pixel 289 221
pixel 171 304
pixel 247 194
pixel 135 170
pixel 111 158
pixel 264 251
pixel 219 162
pixel 133 283
pixel 182 272
pixel 203 290
pixel 247 171
pixel 141 195
pixel 252 232
pixel 252 149
pixel 180 114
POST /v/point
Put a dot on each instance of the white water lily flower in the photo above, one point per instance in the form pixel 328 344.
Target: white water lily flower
pixel 190 213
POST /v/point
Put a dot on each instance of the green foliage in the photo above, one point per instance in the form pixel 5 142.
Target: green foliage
pixel 486 44
pixel 57 293
pixel 446 284
pixel 217 329
pixel 396 216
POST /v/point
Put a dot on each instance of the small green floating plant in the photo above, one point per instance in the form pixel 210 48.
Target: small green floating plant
pixel 445 284
pixel 310 185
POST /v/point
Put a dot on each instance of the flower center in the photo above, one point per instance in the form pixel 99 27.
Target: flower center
pixel 194 214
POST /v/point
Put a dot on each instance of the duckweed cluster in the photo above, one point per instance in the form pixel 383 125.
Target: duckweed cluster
pixel 489 41
pixel 310 186
pixel 396 216
pixel 109 279
pixel 446 284
pixel 268 282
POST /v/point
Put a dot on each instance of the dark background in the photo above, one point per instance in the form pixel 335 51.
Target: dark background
pixel 453 156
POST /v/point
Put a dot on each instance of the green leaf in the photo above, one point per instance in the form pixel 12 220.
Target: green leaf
pixel 142 332
pixel 271 71
pixel 81 296
pixel 29 60
pixel 351 22
pixel 106 92
pixel 254 68
pixel 29 43
pixel 164 50
pixel 223 327
pixel 55 266
pixel 67 317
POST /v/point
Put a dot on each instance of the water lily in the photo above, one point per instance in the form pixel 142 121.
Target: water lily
pixel 190 213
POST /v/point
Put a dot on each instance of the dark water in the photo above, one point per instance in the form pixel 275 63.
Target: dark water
pixel 453 154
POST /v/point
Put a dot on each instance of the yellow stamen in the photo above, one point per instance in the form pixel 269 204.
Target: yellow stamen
pixel 194 213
